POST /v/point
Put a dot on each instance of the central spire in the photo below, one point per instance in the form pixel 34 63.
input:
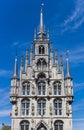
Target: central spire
pixel 41 31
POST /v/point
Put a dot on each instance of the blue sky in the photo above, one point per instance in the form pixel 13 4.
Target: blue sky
pixel 65 20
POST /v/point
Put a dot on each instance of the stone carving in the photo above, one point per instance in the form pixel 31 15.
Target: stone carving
pixel 33 108
pixel 50 109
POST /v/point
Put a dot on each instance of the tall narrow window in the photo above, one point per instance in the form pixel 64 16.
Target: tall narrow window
pixel 26 89
pixel 57 88
pixel 25 105
pixel 41 64
pixel 58 107
pixel 41 89
pixel 41 107
pixel 58 125
pixel 24 125
pixel 41 49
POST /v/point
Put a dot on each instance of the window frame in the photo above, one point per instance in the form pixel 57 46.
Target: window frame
pixel 41 88
pixel 58 107
pixel 41 107
pixel 58 125
pixel 25 125
pixel 26 89
pixel 25 107
pixel 57 88
pixel 41 49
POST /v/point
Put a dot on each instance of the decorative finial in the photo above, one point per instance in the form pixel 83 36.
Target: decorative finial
pixel 67 55
pixel 56 54
pixel 35 34
pixel 42 4
pixel 48 34
pixel 56 59
pixel 26 54
pixel 22 62
pixel 61 64
pixel 26 63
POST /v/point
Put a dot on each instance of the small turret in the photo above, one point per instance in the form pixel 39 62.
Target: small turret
pixel 56 59
pixel 51 55
pixel 14 83
pixel 31 54
pixel 68 82
pixel 15 75
pixel 61 64
pixel 22 64
pixel 67 66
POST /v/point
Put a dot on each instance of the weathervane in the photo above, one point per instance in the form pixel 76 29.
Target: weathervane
pixel 42 4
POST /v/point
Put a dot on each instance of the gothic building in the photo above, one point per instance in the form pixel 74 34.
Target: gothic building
pixel 41 96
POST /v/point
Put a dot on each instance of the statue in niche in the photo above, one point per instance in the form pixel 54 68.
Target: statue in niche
pixel 50 109
pixel 33 108
pixel 33 89
pixel 33 74
pixel 67 108
pixel 50 90
pixel 16 110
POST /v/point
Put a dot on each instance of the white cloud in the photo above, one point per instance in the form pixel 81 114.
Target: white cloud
pixel 77 55
pixel 79 85
pixel 15 44
pixel 78 124
pixel 79 106
pixel 5 101
pixel 4 113
pixel 20 44
pixel 4 73
pixel 76 19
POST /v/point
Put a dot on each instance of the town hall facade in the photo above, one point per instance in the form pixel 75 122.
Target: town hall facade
pixel 41 96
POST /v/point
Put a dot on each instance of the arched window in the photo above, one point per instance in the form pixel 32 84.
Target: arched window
pixel 58 107
pixel 25 89
pixel 58 125
pixel 41 64
pixel 25 106
pixel 41 76
pixel 41 107
pixel 24 125
pixel 41 49
pixel 41 88
pixel 57 88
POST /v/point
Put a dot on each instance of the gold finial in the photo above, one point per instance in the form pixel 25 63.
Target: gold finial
pixel 42 4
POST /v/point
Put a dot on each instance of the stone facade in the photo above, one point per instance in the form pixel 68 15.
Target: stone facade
pixel 41 96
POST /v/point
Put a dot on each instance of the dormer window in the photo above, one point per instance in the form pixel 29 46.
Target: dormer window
pixel 41 50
